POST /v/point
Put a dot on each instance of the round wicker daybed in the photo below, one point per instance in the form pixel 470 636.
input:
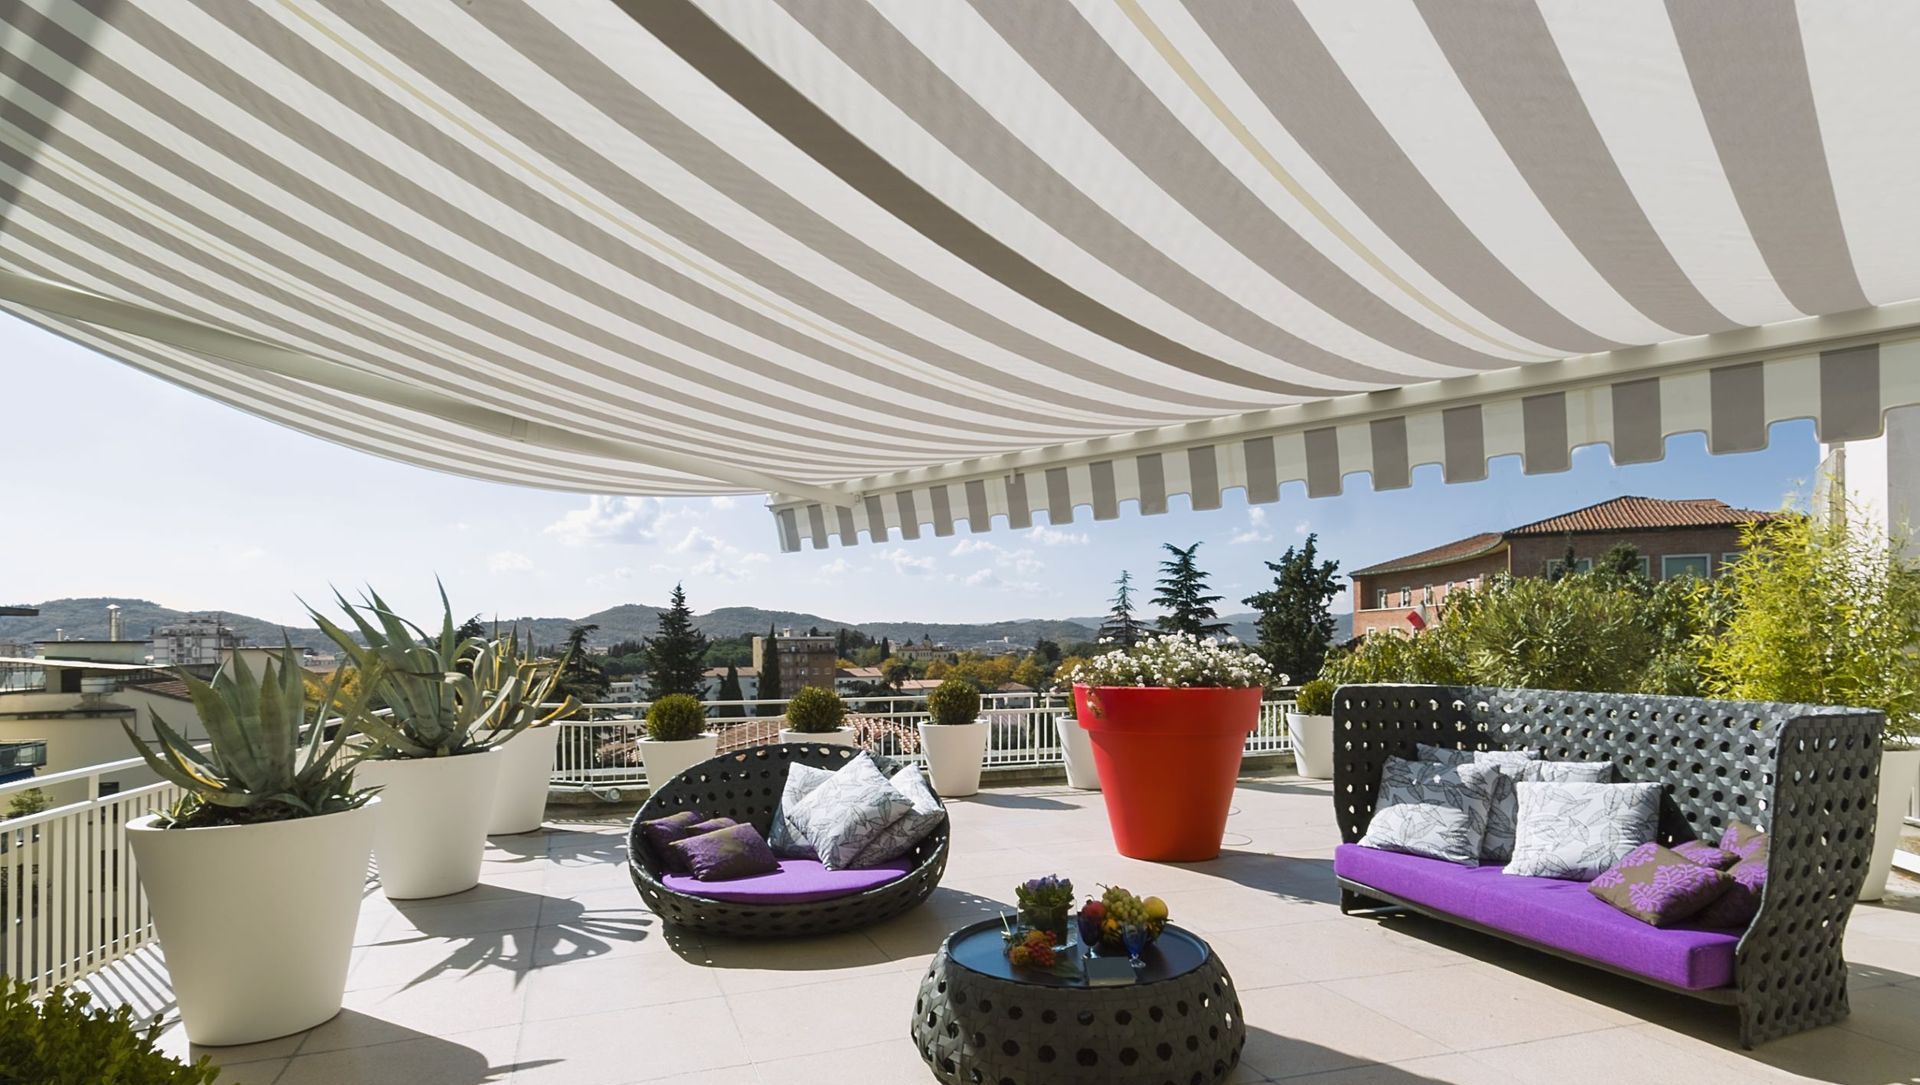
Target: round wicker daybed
pixel 745 785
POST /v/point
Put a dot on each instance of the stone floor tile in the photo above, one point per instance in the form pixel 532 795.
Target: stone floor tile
pixel 1306 1028
pixel 472 1058
pixel 662 1042
pixel 488 998
pixel 627 981
pixel 880 1063
pixel 1466 1006
pixel 825 1016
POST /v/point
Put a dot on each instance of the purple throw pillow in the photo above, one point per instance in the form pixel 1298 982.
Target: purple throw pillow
pixel 1695 851
pixel 1741 902
pixel 1659 886
pixel 661 832
pixel 710 825
pixel 737 851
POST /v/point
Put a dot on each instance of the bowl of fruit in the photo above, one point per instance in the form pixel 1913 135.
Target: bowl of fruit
pixel 1105 923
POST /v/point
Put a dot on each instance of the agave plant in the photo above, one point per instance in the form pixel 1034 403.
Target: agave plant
pixel 525 686
pixel 434 708
pixel 266 760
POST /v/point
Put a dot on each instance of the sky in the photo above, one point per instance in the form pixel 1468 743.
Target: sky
pixel 124 485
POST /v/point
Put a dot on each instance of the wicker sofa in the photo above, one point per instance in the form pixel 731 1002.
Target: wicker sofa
pixel 1805 774
pixel 745 785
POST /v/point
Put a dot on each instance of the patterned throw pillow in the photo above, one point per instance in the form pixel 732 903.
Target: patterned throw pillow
pixel 900 837
pixel 1695 851
pixel 1659 886
pixel 660 832
pixel 849 812
pixel 737 851
pixel 1431 809
pixel 1577 830
pixel 1737 907
pixel 786 839
pixel 1497 845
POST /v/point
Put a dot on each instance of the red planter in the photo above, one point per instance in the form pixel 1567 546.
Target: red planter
pixel 1168 759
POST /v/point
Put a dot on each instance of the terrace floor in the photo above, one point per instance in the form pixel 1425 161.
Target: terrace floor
pixel 552 972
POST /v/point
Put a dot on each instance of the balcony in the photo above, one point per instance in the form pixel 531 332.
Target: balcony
pixel 552 972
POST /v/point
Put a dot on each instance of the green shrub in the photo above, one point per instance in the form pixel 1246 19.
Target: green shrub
pixel 676 718
pixel 1822 613
pixel 953 701
pixel 1314 698
pixel 815 711
pixel 59 1041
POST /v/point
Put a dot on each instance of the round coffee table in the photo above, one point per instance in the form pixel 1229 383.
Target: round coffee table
pixel 980 1020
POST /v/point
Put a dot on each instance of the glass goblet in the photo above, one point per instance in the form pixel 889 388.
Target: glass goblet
pixel 1135 937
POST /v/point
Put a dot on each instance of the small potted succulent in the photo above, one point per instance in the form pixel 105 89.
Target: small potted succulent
pixel 677 738
pixel 817 714
pixel 1169 718
pixel 1311 725
pixel 526 688
pixel 1043 904
pixel 434 748
pixel 954 738
pixel 254 876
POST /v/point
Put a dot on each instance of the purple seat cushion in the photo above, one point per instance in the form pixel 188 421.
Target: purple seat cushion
pixel 1550 911
pixel 797 881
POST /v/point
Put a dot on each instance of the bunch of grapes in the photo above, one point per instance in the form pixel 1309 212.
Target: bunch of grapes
pixel 1123 906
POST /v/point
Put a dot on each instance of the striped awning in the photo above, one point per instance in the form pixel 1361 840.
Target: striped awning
pixel 907 265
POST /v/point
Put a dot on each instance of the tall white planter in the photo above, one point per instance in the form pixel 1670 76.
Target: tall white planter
pixel 1076 750
pixel 665 760
pixel 954 752
pixel 1899 769
pixel 434 829
pixel 256 921
pixel 526 766
pixel 840 737
pixel 1312 745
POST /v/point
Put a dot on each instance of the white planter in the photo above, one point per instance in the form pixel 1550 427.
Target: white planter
pixel 841 737
pixel 1898 771
pixel 526 766
pixel 1076 749
pixel 954 754
pixel 1312 745
pixel 256 921
pixel 665 760
pixel 434 829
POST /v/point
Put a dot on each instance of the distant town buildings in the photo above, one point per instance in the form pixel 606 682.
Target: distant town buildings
pixel 1694 537
pixel 923 651
pixel 805 660
pixel 194 640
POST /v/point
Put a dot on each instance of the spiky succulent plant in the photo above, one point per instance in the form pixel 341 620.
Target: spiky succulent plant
pixel 433 705
pixel 259 765
pixel 526 686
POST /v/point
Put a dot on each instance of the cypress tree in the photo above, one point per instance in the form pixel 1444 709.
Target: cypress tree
pixel 730 685
pixel 770 676
pixel 677 655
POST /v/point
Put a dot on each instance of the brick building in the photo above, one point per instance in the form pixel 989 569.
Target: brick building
pixel 805 660
pixel 1675 538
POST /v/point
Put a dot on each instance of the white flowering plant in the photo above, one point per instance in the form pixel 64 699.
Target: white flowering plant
pixel 1179 660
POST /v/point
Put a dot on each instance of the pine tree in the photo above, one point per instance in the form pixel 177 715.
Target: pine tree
pixel 730 686
pixel 1121 627
pixel 677 655
pixel 1295 623
pixel 770 676
pixel 580 676
pixel 1183 594
pixel 886 648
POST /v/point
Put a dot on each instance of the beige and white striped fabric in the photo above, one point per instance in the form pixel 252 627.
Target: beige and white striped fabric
pixel 908 265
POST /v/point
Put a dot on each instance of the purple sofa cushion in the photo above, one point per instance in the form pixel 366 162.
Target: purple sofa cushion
pixel 1740 903
pixel 660 832
pixel 795 882
pixel 1659 885
pixel 1549 911
pixel 737 851
pixel 1704 854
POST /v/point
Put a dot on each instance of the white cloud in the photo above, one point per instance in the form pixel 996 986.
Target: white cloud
pixel 906 562
pixel 1047 535
pixel 718 558
pixel 981 578
pixel 836 567
pixel 609 520
pixel 1256 530
pixel 973 546
pixel 723 501
pixel 508 561
pixel 1302 528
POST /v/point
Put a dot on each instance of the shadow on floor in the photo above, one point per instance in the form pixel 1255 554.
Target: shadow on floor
pixel 1277 1057
pixel 558 929
pixel 1015 802
pixel 1288 785
pixel 399 1054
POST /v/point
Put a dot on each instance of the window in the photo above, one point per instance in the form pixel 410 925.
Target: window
pixel 1646 568
pixel 1406 597
pixel 1380 599
pixel 1556 565
pixel 1427 598
pixel 1674 565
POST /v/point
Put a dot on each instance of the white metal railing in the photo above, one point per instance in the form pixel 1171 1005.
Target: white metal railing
pixel 70 901
pixel 599 751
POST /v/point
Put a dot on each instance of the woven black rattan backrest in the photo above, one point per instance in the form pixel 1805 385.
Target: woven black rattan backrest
pixel 745 785
pixel 1717 758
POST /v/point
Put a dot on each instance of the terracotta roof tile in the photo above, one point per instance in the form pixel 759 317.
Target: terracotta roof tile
pixel 1643 514
pixel 1470 547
